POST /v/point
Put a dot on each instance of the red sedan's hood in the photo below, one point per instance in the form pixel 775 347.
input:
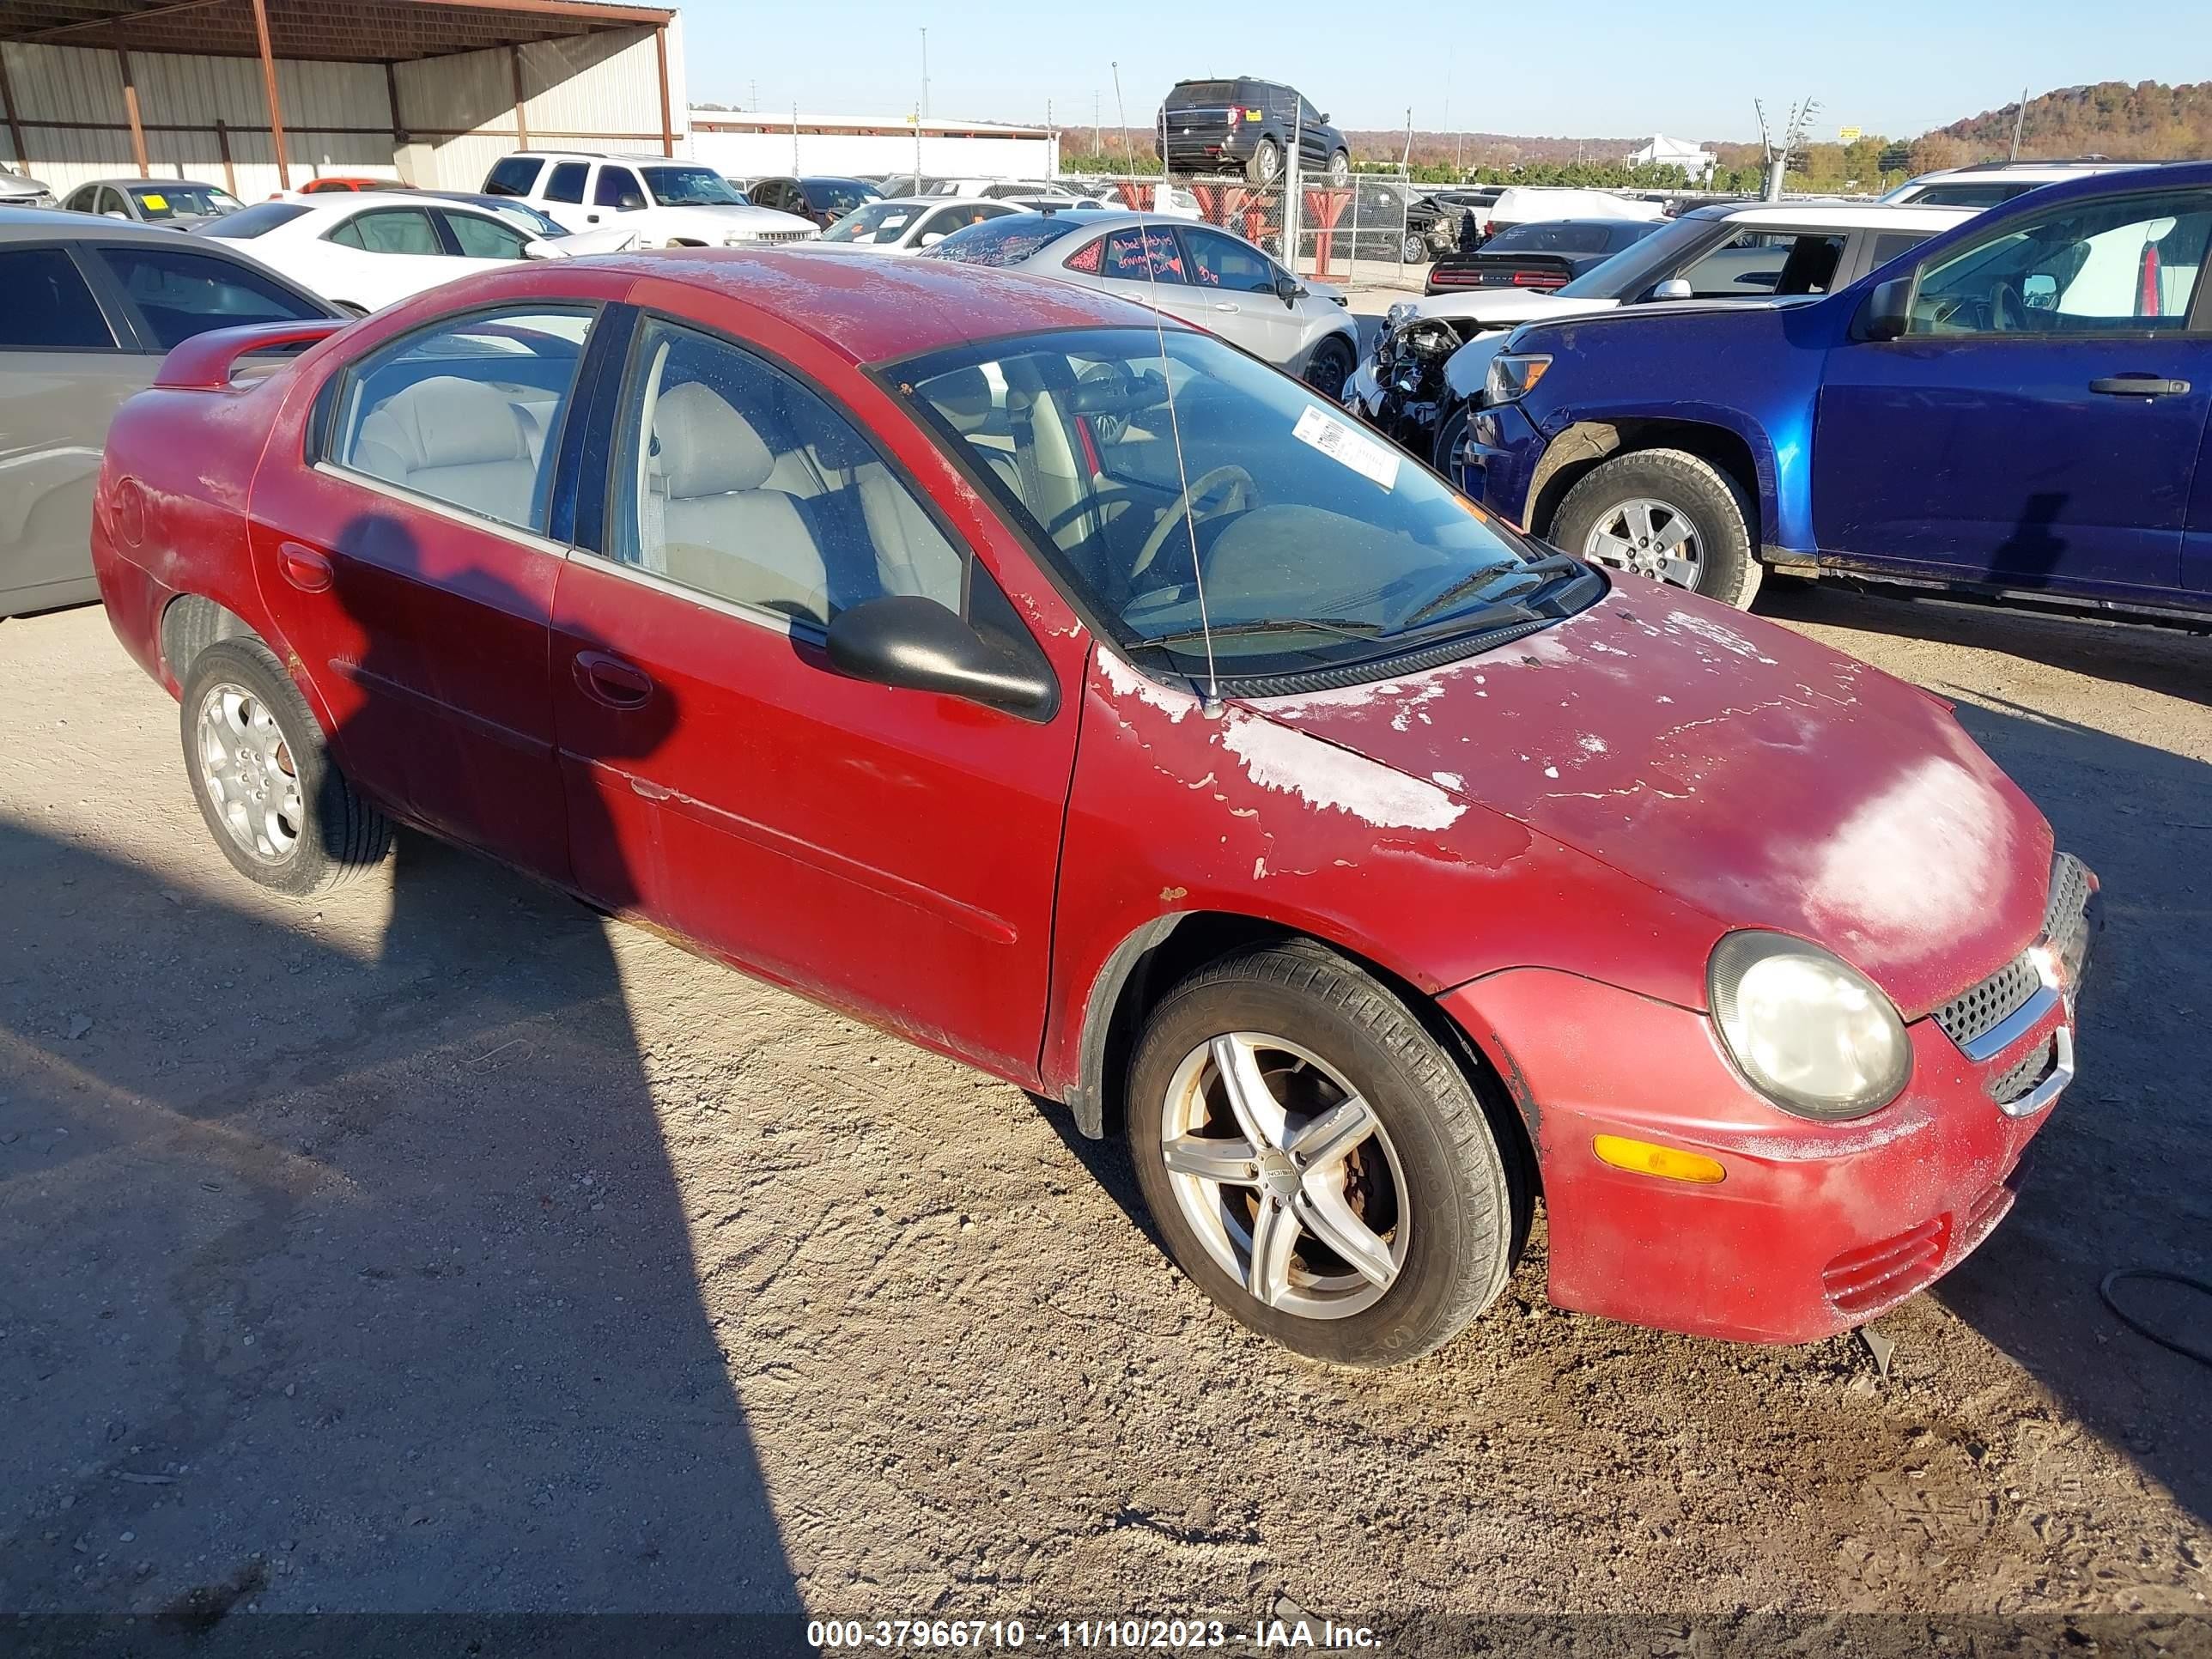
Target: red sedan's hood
pixel 1735 765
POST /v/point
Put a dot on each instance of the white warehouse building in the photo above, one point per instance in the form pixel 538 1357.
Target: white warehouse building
pixel 260 96
pixel 759 144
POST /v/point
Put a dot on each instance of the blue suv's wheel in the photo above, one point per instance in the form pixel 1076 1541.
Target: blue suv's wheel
pixel 1667 514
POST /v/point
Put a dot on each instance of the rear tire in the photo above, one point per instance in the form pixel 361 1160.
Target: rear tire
pixel 1329 368
pixel 1266 163
pixel 264 779
pixel 1421 1189
pixel 1671 492
pixel 1340 169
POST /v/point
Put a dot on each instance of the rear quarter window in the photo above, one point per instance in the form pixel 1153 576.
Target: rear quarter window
pixel 249 223
pixel 514 177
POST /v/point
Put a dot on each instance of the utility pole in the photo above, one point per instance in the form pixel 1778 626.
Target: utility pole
pixel 925 74
pixel 2019 120
pixel 1120 109
pixel 1097 130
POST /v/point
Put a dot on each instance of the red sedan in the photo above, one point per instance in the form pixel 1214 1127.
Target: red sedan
pixel 1067 692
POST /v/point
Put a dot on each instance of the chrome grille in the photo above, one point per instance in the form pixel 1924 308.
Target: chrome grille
pixel 1980 1009
pixel 1977 1012
pixel 778 236
pixel 2023 1075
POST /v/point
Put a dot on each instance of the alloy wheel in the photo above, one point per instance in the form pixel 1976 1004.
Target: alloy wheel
pixel 1286 1175
pixel 249 774
pixel 1650 538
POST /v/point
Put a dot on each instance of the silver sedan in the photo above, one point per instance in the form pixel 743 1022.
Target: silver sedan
pixel 1199 273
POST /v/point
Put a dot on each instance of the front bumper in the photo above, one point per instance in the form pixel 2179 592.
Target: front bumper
pixel 1817 1228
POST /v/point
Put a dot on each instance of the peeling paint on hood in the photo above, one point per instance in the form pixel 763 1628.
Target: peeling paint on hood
pixel 1732 764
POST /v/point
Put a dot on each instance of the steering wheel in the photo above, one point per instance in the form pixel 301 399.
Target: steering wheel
pixel 1194 492
pixel 2009 309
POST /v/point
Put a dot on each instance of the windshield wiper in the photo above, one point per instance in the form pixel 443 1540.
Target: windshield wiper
pixel 1343 627
pixel 1543 570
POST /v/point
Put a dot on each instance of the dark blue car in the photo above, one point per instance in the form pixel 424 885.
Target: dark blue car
pixel 2018 406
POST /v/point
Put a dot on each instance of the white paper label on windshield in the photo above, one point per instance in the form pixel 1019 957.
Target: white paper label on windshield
pixel 1348 447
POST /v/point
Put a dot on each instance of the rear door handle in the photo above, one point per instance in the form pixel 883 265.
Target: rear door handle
pixel 304 567
pixel 2139 386
pixel 610 680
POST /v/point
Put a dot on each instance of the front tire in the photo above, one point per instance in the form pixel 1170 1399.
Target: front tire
pixel 1329 368
pixel 266 786
pixel 1316 1163
pixel 1412 249
pixel 1667 514
pixel 1449 432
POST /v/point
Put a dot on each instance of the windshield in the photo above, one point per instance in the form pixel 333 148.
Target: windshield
pixel 878 222
pixel 173 201
pixel 1982 195
pixel 1006 240
pixel 680 186
pixel 1640 264
pixel 838 195
pixel 248 222
pixel 1318 546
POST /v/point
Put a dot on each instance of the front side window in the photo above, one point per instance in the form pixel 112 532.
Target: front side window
pixel 567 183
pixel 481 237
pixel 466 412
pixel 390 230
pixel 2125 264
pixel 513 176
pixel 738 481
pixel 618 188
pixel 1219 261
pixel 180 294
pixel 1316 544
pixel 50 308
pixel 834 195
pixel 1756 262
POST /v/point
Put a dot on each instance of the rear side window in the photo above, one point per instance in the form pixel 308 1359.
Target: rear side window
pixel 249 223
pixel 567 184
pixel 390 230
pixel 467 413
pixel 49 307
pixel 180 294
pixel 512 177
pixel 1126 252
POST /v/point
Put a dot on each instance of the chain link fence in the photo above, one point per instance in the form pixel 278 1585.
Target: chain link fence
pixel 1375 228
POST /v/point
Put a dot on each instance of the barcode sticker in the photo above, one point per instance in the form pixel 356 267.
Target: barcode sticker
pixel 1348 447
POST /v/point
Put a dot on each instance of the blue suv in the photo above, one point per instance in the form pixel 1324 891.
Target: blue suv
pixel 2016 407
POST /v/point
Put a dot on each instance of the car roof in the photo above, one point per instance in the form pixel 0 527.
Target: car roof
pixel 149 183
pixel 873 311
pixel 1844 216
pixel 2073 169
pixel 19 224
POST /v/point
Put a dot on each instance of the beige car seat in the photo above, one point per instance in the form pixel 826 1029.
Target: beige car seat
pixel 454 440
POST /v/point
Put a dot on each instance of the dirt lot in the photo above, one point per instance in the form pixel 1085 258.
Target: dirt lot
pixel 446 1248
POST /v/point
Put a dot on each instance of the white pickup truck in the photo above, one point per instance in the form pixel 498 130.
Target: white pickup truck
pixel 668 204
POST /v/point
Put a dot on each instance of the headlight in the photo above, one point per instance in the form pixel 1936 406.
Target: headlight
pixel 1514 375
pixel 1813 1034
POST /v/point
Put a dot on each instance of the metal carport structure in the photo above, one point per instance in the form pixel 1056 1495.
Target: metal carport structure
pixel 250 93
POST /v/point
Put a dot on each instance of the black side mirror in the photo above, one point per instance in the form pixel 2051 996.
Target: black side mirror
pixel 1287 289
pixel 1888 313
pixel 916 644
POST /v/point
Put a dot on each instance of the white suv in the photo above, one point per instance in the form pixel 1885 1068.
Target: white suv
pixel 669 204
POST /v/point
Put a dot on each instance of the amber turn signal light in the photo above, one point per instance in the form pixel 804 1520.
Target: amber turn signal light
pixel 1668 1163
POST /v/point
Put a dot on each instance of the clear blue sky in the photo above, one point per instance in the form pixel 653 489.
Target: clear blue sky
pixel 1603 68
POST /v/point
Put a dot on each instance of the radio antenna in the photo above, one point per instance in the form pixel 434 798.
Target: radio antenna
pixel 1174 431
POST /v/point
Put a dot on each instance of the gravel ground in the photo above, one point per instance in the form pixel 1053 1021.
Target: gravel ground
pixel 447 1248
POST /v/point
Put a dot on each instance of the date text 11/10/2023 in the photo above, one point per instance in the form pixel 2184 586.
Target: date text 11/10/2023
pixel 1128 1633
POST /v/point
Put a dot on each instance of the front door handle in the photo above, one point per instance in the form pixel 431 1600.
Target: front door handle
pixel 591 218
pixel 2139 386
pixel 1225 304
pixel 304 567
pixel 610 680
